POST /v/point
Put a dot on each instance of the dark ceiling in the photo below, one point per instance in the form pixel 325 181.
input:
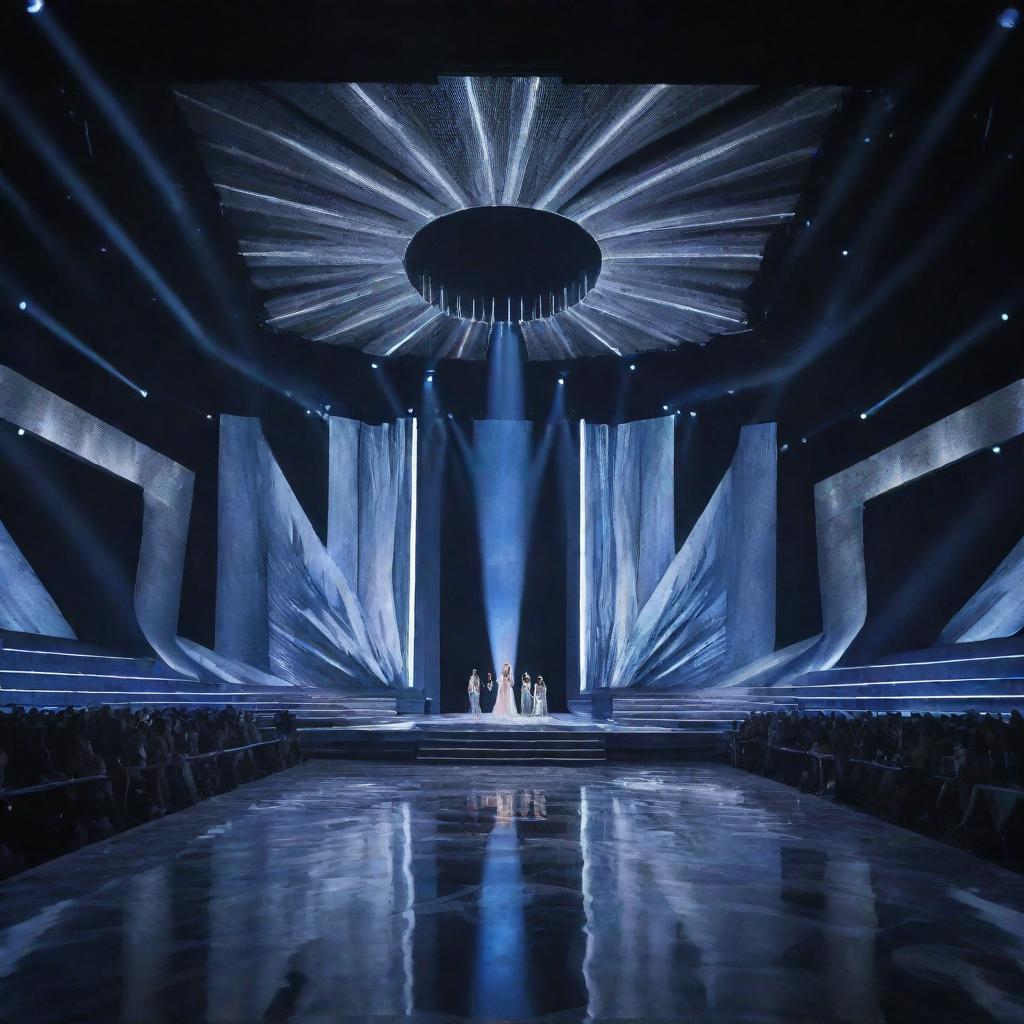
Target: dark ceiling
pixel 838 333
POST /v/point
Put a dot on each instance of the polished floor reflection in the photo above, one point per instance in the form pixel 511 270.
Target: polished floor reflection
pixel 341 892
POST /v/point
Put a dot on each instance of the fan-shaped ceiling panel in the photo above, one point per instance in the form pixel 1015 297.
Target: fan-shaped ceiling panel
pixel 408 218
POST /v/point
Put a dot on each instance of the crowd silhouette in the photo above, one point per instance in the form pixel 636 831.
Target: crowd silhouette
pixel 959 778
pixel 71 777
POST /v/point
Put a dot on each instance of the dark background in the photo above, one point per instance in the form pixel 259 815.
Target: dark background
pixel 928 546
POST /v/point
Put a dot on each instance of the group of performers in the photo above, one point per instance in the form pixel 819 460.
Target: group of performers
pixel 533 699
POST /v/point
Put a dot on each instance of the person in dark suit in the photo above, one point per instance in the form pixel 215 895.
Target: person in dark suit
pixel 488 694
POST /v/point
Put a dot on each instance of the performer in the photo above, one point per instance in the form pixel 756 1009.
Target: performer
pixel 526 698
pixel 505 702
pixel 474 694
pixel 487 695
pixel 540 698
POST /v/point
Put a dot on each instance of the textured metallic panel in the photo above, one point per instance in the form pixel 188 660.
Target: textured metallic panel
pixel 25 604
pixel 997 609
pixel 167 499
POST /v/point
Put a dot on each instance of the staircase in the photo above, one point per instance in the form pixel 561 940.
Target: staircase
pixel 705 711
pixel 511 746
pixel 987 676
pixel 46 672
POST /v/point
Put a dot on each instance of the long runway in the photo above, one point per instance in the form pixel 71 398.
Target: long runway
pixel 342 892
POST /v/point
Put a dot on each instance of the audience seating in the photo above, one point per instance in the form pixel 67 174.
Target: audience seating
pixel 71 777
pixel 958 778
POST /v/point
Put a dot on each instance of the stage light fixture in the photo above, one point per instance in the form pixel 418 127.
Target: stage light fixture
pixel 561 380
pixel 430 378
pixel 863 415
pixel 409 411
pixel 373 366
pixel 23 305
pixel 632 366
pixel 1004 317
pixel 21 431
pixel 665 407
pixel 144 392
pixel 784 448
pixel 693 413
pixel 846 252
pixel 209 416
pixel 867 138
pixel 996 449
pixel 731 391
pixel 803 440
pixel 1008 19
pixel 34 6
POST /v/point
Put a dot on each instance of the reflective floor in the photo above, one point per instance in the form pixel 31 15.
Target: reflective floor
pixel 340 892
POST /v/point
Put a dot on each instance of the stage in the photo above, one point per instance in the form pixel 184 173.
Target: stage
pixel 342 892
pixel 551 739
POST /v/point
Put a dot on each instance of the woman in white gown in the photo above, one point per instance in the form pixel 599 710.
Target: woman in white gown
pixel 505 702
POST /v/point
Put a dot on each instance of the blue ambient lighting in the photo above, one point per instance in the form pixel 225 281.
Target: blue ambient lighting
pixel 1008 19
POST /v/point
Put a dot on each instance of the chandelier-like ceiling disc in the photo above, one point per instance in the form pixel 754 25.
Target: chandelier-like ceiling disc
pixel 347 198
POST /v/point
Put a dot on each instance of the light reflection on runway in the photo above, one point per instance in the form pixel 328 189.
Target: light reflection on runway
pixel 337 892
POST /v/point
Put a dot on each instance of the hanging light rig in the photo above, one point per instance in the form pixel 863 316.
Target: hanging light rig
pixel 484 309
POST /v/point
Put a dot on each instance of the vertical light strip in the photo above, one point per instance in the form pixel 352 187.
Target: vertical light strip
pixel 410 653
pixel 583 556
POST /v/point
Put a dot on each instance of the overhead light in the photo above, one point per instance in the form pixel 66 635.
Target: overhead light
pixel 784 448
pixel 803 440
pixel 409 411
pixel 21 431
pixel 996 449
pixel 430 378
pixel 1008 19
pixel 373 366
pixel 561 380
pixel 693 412
pixel 23 305
pixel 144 392
pixel 846 252
pixel 863 415
pixel 209 416
pixel 1004 317
pixel 632 366
pixel 34 6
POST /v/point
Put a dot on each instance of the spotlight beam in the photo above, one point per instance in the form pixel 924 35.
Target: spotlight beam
pixel 61 168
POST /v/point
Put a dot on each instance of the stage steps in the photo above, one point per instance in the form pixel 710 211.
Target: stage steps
pixel 691 711
pixel 985 676
pixel 548 746
pixel 48 672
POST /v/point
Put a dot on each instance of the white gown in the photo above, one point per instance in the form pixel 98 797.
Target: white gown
pixel 505 702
